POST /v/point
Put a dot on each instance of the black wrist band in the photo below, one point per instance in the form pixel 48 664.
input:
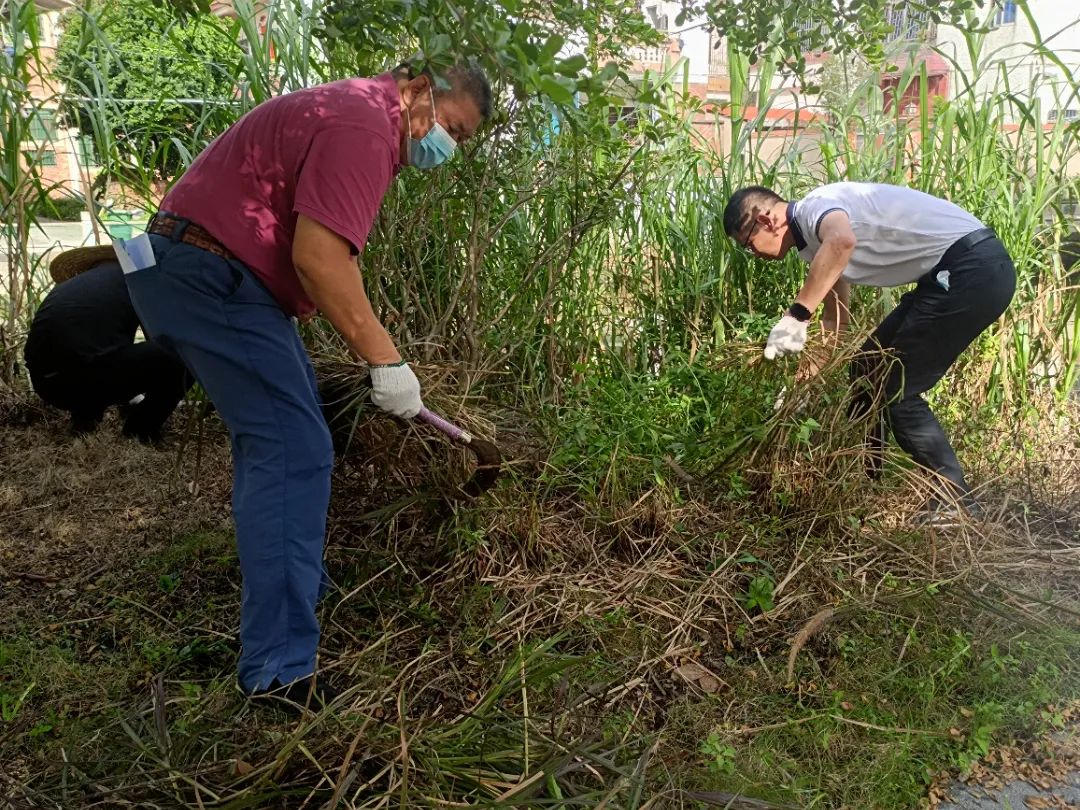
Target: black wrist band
pixel 799 312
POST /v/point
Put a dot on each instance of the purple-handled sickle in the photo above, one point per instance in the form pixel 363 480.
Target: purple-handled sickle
pixel 446 426
pixel 488 458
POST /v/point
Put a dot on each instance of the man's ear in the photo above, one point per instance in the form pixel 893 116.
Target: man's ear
pixel 420 84
pixel 413 88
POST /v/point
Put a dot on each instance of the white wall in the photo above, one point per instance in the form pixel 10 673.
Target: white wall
pixel 695 49
pixel 692 34
pixel 1007 55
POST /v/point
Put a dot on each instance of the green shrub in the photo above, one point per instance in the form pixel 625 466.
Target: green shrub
pixel 67 209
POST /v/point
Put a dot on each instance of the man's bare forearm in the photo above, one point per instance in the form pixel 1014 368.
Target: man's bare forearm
pixel 837 245
pixel 337 289
pixel 825 272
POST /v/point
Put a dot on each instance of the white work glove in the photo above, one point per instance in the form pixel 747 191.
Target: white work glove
pixel 396 390
pixel 781 399
pixel 787 337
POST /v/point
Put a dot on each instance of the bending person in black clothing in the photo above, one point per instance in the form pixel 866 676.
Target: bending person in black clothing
pixel 82 355
pixel 887 236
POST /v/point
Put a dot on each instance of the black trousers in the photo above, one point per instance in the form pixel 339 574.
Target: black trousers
pixel 914 346
pixel 115 379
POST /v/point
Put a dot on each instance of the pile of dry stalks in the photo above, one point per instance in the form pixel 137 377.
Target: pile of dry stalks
pixel 465 629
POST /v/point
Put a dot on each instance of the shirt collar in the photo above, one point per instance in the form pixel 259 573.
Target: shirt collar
pixel 796 231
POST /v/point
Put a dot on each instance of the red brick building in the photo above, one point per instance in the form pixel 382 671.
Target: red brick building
pixel 65 159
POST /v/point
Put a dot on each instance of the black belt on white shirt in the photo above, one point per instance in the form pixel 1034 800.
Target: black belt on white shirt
pixel 966 243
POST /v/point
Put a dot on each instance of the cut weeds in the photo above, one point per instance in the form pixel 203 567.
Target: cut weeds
pixel 613 624
pixel 535 648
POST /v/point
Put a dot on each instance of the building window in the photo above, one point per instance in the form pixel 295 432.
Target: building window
pixel 627 115
pixel 807 31
pixel 657 17
pixel 909 24
pixel 1005 14
pixel 87 153
pixel 1070 114
pixel 43 125
pixel 47 157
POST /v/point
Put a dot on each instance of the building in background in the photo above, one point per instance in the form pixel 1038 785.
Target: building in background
pixel 935 55
pixel 65 158
pixel 1008 58
pixel 698 57
pixel 916 35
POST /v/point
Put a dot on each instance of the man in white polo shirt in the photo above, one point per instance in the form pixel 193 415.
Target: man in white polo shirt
pixel 887 236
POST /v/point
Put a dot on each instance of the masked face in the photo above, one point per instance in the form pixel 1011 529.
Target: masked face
pixel 433 149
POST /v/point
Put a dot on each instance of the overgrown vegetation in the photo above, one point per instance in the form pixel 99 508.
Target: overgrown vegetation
pixel 157 75
pixel 678 593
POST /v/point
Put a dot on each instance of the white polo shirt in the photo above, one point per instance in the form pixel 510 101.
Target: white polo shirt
pixel 900 233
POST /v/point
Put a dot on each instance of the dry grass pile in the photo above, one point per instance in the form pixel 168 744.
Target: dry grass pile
pixel 530 647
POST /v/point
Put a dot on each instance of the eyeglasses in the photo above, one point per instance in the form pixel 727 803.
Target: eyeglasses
pixel 745 243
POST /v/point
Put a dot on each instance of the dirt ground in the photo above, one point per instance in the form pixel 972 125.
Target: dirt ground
pixel 77 516
pixel 72 510
pixel 1041 774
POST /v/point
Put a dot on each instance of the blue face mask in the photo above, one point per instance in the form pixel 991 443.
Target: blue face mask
pixel 433 149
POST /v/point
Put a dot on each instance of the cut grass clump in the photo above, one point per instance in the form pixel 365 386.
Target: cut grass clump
pixel 534 647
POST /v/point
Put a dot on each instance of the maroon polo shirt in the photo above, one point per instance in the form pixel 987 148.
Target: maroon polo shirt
pixel 327 152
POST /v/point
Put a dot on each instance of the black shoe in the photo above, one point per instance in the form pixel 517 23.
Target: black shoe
pixel 83 424
pixel 151 436
pixel 304 694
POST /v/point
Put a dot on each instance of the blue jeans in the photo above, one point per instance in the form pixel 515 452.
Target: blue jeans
pixel 238 342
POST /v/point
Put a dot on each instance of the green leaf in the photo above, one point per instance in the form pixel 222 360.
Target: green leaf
pixel 609 72
pixel 760 594
pixel 552 46
pixel 572 66
pixel 556 91
pixel 437 45
pixel 522 32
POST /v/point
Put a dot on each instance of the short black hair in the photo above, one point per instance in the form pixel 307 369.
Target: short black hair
pixel 464 78
pixel 740 207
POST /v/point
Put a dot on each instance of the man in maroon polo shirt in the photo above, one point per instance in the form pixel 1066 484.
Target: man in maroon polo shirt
pixel 267 224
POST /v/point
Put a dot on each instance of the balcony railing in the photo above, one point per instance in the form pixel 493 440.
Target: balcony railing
pixel 718 56
pixel 906 24
pixel 910 25
pixel 651 55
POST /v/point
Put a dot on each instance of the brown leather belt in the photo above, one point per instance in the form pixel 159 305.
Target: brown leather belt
pixel 191 234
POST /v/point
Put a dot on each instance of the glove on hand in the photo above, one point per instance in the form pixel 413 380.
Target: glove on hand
pixel 787 337
pixel 801 400
pixel 396 390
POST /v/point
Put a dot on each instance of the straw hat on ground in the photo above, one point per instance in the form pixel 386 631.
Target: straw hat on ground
pixel 72 262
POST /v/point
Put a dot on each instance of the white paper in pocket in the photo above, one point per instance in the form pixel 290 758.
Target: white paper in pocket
pixel 135 253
